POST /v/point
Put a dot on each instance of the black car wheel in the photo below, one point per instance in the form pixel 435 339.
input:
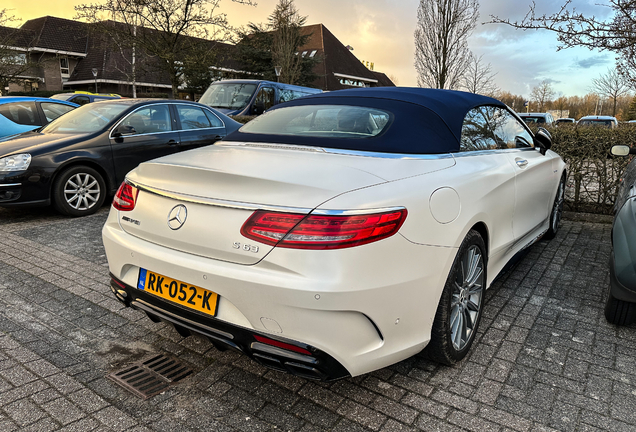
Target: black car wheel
pixel 557 210
pixel 619 312
pixel 459 310
pixel 79 191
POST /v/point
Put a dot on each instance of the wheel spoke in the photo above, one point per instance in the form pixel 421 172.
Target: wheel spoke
pixel 454 316
pixel 457 331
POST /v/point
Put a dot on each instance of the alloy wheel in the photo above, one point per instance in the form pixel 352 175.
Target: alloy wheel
pixel 82 191
pixel 466 298
pixel 557 212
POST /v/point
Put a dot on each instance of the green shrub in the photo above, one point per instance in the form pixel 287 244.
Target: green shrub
pixel 243 119
pixel 593 175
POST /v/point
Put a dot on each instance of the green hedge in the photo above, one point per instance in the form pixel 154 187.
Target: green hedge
pixel 593 175
pixel 243 119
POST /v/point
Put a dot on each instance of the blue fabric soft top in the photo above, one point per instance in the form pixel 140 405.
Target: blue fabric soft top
pixel 425 121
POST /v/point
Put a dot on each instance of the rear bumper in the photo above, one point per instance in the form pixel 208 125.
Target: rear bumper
pixel 317 366
pixel 366 307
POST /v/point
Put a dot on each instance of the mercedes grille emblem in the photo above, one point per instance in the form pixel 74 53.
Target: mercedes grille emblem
pixel 177 216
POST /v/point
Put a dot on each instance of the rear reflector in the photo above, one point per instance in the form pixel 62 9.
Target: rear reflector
pixel 126 197
pixel 298 231
pixel 282 345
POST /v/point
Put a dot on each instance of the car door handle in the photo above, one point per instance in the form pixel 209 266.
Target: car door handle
pixel 173 142
pixel 521 163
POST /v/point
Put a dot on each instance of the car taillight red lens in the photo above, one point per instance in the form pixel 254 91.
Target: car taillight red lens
pixel 126 197
pixel 282 345
pixel 297 231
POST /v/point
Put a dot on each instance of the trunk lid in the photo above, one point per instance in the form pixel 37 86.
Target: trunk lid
pixel 220 187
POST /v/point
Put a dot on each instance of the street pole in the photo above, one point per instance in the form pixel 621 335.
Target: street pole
pixel 94 71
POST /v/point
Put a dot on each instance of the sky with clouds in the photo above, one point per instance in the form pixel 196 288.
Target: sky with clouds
pixel 381 31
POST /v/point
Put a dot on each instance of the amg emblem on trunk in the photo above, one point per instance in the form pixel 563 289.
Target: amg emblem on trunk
pixel 245 247
pixel 133 221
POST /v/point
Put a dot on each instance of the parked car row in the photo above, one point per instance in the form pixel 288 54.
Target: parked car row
pixel 546 119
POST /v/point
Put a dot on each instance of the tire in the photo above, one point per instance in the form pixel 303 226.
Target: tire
pixel 557 210
pixel 461 304
pixel 619 312
pixel 79 191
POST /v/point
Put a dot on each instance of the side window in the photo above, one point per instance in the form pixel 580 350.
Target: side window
pixel 285 95
pixel 81 100
pixel 491 128
pixel 23 113
pixel 266 96
pixel 510 132
pixel 149 120
pixel 476 131
pixel 214 120
pixel 54 110
pixel 192 117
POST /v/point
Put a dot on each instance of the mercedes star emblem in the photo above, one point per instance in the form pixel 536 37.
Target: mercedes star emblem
pixel 177 216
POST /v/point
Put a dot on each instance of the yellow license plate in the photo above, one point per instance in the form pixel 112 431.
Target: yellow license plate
pixel 190 296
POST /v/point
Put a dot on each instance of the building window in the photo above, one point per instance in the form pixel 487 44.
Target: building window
pixel 64 68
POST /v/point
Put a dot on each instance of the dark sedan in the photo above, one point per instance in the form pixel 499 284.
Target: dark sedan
pixel 620 307
pixel 80 158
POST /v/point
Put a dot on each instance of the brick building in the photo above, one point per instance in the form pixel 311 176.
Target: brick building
pixel 72 57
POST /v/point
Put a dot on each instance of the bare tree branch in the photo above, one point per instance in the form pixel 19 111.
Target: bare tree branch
pixel 164 29
pixel 542 94
pixel 441 41
pixel 479 77
pixel 616 34
pixel 16 62
pixel 611 85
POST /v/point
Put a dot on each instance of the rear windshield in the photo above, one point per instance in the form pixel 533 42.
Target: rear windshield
pixel 324 121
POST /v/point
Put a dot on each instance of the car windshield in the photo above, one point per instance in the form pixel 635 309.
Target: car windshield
pixel 327 121
pixel 606 123
pixel 87 119
pixel 533 119
pixel 231 96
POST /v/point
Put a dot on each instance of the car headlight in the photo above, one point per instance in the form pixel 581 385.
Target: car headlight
pixel 18 162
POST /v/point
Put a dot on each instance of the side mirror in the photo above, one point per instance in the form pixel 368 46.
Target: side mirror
pixel 543 139
pixel 123 130
pixel 622 150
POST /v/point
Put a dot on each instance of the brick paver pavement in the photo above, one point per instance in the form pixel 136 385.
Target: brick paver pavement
pixel 545 358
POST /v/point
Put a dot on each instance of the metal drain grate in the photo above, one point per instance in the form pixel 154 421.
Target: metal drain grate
pixel 151 377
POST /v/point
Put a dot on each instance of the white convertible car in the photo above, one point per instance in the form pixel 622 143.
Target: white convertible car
pixel 338 233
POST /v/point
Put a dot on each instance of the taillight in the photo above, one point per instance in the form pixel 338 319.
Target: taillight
pixel 297 231
pixel 126 197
